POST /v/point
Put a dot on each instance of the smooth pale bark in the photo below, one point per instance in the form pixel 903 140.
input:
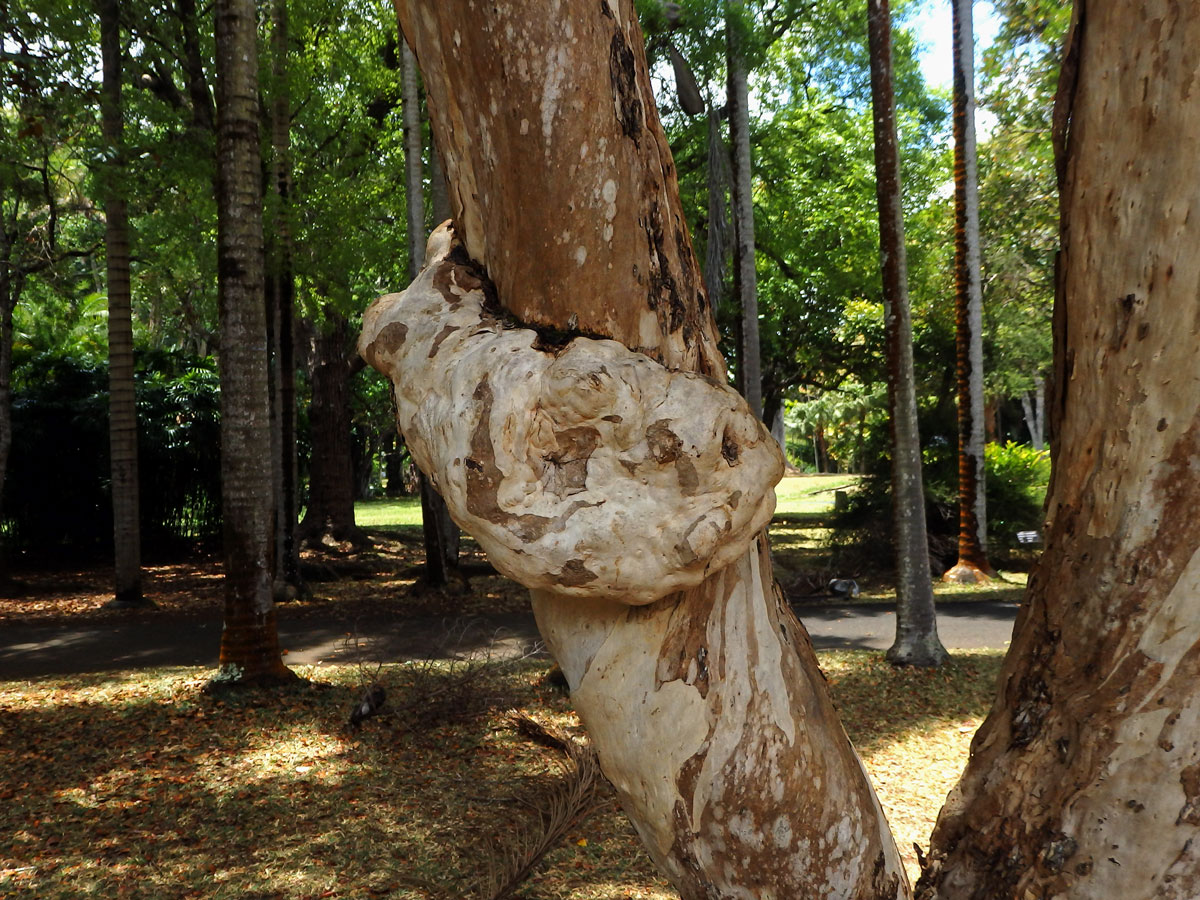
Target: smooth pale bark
pixel 917 641
pixel 1084 782
pixel 1033 407
pixel 745 275
pixel 122 405
pixel 972 566
pixel 249 642
pixel 706 706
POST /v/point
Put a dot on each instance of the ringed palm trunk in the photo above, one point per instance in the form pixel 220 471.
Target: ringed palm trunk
pixel 249 642
pixel 122 404
pixel 972 566
pixel 1084 781
pixel 704 702
pixel 917 641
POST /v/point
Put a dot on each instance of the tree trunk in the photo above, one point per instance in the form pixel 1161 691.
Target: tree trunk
pixel 281 294
pixel 331 467
pixel 122 404
pixel 1033 407
pixel 438 529
pixel 917 640
pixel 249 643
pixel 8 301
pixel 972 566
pixel 700 690
pixel 1084 782
pixel 750 362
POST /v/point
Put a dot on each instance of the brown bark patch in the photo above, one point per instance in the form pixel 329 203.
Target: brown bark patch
pixel 442 335
pixel 575 573
pixel 390 339
pixel 566 471
pixel 483 477
pixel 665 445
pixel 1189 778
pixel 684 654
pixel 623 73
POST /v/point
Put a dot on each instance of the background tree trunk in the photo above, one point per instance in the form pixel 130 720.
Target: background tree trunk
pixel 281 298
pixel 1084 782
pixel 917 641
pixel 707 707
pixel 249 642
pixel 437 528
pixel 972 566
pixel 331 470
pixel 746 277
pixel 122 404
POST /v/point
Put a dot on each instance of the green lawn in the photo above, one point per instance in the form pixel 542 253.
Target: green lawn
pixel 796 495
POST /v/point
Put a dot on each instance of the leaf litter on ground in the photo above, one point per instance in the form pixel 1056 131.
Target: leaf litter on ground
pixel 142 785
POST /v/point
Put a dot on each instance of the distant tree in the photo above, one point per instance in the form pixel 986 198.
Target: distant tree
pixel 972 565
pixel 917 640
pixel 250 650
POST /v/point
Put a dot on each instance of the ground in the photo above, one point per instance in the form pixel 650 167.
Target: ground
pixel 140 783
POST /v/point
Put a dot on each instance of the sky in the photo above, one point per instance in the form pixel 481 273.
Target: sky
pixel 932 24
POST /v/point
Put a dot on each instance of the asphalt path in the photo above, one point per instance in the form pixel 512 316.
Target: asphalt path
pixel 28 651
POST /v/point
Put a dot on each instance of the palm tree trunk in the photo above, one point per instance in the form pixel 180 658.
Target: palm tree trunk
pixel 972 565
pixel 917 640
pixel 249 643
pixel 123 431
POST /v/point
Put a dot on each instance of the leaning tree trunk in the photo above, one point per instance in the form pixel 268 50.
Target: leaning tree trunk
pixel 972 566
pixel 622 481
pixel 917 641
pixel 122 404
pixel 1084 782
pixel 249 642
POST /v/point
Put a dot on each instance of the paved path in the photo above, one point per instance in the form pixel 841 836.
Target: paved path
pixel 32 650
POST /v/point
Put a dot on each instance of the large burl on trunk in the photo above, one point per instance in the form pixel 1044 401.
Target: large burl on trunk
pixel 557 374
pixel 1085 780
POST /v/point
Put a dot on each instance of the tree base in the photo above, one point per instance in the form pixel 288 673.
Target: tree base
pixel 967 573
pixel 229 680
pixel 925 654
pixel 131 601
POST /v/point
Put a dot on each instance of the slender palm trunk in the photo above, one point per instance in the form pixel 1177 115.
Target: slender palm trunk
pixel 972 565
pixel 249 643
pixel 122 404
pixel 917 640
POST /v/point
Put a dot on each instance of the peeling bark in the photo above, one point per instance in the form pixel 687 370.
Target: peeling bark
pixel 565 462
pixel 1082 782
pixel 705 702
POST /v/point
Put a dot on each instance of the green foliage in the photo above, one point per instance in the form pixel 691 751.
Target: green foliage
pixel 1017 478
pixel 60 497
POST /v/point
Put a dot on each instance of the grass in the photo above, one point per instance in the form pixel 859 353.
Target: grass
pixel 799 495
pixel 141 785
